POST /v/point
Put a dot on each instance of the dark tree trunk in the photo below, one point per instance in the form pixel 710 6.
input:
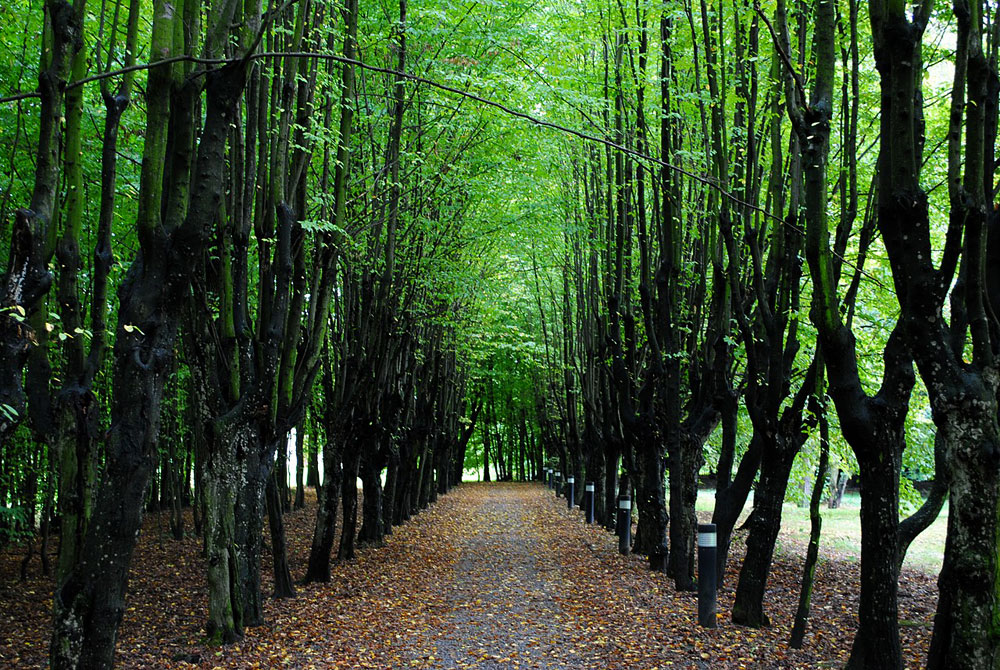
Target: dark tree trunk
pixel 651 535
pixel 417 487
pixel 391 490
pixel 611 487
pixel 312 473
pixel 816 528
pixel 838 485
pixel 249 517
pixel 349 494
pixel 595 474
pixel 486 453
pixel 426 478
pixel 967 583
pixel 685 462
pixel 89 604
pixel 405 483
pixel 748 607
pixel 283 587
pixel 372 530
pixel 326 516
pixel 443 456
pixel 729 504
pixel 432 471
pixel 27 277
pixel 281 475
pixel 876 644
pixel 174 468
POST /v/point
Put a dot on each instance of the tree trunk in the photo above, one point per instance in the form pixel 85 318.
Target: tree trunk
pixel 838 485
pixel 486 453
pixel 595 474
pixel 729 504
pixel 326 516
pixel 816 528
pixel 225 609
pixel 77 418
pixel 250 511
pixel 312 473
pixel 372 532
pixel 281 475
pixel 405 483
pixel 611 488
pixel 651 536
pixel 443 457
pixel 876 644
pixel 426 477
pixel 965 634
pixel 685 462
pixel 283 587
pixel 349 494
pixel 748 608
pixel 89 604
pixel 391 490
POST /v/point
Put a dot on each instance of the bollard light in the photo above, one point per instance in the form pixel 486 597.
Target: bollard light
pixel 570 492
pixel 707 556
pixel 588 501
pixel 624 525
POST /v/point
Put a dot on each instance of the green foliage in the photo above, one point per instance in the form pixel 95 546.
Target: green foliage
pixel 909 497
pixel 13 525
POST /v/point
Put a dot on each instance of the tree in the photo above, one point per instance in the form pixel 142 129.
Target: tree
pixel 963 393
pixel 90 601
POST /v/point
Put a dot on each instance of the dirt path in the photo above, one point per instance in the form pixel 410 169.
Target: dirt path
pixel 504 588
pixel 491 576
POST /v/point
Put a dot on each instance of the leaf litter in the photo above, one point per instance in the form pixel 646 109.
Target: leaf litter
pixel 491 576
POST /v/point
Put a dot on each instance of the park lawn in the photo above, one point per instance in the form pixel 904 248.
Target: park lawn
pixel 841 536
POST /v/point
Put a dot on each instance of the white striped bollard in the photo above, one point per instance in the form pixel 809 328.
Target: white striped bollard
pixel 570 492
pixel 707 556
pixel 588 501
pixel 624 524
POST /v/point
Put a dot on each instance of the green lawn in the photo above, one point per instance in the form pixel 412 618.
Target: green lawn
pixel 842 532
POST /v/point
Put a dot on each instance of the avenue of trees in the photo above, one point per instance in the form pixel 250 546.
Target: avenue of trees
pixel 639 241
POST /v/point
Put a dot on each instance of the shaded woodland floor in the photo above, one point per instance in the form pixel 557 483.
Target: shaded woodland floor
pixel 491 576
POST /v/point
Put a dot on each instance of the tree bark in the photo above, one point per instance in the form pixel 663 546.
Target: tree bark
pixel 283 587
pixel 748 607
pixel 349 495
pixel 326 516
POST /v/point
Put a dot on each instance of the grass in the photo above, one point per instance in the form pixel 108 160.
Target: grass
pixel 841 536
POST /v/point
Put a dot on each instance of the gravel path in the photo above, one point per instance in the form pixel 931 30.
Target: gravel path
pixel 503 587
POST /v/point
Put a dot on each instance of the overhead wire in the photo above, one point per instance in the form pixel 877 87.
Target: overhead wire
pixel 534 120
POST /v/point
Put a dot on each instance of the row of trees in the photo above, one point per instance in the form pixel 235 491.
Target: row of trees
pixel 280 240
pixel 717 268
pixel 324 220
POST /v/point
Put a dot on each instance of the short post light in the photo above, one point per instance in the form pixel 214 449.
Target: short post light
pixel 707 557
pixel 624 525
